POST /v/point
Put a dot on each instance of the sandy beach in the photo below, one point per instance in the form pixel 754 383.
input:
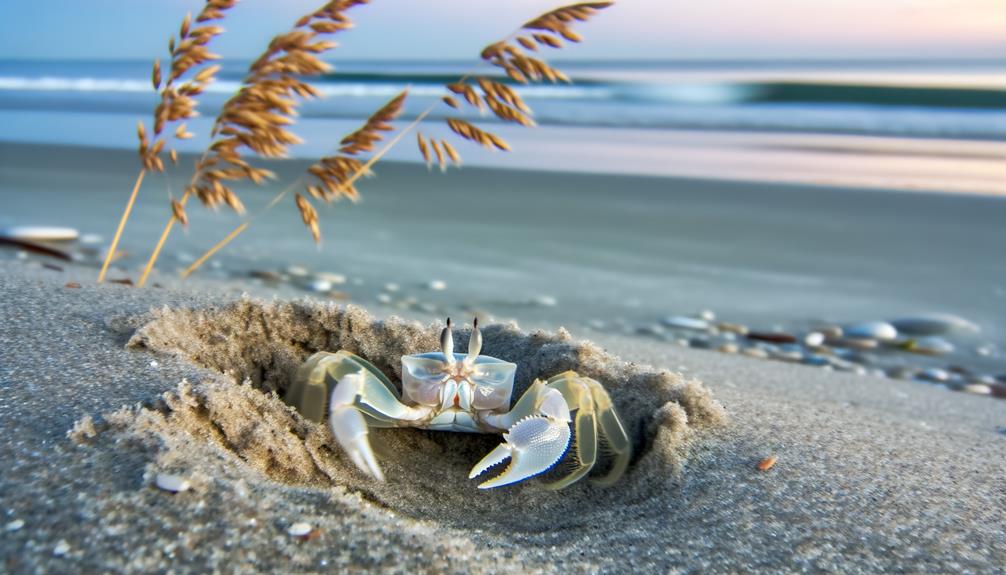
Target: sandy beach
pixel 872 475
pixel 787 274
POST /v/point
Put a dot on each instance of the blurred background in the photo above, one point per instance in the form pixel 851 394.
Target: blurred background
pixel 780 164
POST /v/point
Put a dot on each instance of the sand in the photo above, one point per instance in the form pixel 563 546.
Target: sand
pixel 872 475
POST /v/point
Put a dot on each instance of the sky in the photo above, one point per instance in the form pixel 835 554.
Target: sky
pixel 457 29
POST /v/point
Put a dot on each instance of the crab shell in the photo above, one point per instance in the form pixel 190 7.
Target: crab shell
pixel 480 383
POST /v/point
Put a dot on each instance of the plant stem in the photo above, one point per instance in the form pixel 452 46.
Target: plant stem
pixel 122 226
pixel 160 243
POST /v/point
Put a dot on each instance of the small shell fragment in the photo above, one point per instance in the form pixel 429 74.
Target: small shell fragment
pixel 767 463
pixel 172 483
pixel 15 525
pixel 300 529
pixel 62 548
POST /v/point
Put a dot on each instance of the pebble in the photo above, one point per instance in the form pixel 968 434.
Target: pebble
pixel 707 314
pixel 544 301
pixel 392 287
pixel 686 322
pixel 437 285
pixel 383 298
pixel 266 275
pixel 831 331
pixel 977 388
pixel 755 352
pixel 91 239
pixel 786 355
pixel 871 330
pixel 856 343
pixel 699 343
pixel 40 233
pixel 318 286
pixel 900 373
pixel 297 271
pixel 932 345
pixel 172 483
pixel 300 529
pixel 652 330
pixel 15 525
pixel 985 350
pixel 61 548
pixel 934 374
pixel 813 339
pixel 815 359
pixel 771 337
pixel 332 278
pixel 933 324
pixel 728 348
pixel 986 379
pixel 733 328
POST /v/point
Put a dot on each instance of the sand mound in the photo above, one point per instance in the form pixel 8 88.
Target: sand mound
pixel 257 346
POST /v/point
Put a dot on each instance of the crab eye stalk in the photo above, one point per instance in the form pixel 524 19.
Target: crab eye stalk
pixel 474 342
pixel 447 343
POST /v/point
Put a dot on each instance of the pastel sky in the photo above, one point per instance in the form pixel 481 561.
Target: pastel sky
pixel 456 29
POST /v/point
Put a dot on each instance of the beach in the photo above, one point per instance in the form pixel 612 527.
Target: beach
pixel 872 475
pixel 790 283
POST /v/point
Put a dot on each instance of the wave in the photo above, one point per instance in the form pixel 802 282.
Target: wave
pixel 711 93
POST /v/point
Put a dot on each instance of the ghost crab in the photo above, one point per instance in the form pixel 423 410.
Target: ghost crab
pixel 469 393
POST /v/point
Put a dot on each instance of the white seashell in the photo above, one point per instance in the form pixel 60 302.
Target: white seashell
pixel 172 483
pixel 41 233
pixel 300 529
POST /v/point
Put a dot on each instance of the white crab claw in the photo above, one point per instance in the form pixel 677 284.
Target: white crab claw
pixel 349 427
pixel 533 444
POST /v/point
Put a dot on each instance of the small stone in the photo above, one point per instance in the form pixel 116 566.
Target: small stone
pixel 771 337
pixel 985 350
pixel 733 328
pixel 15 525
pixel 332 278
pixel 699 343
pixel 815 359
pixel 755 352
pixel 61 548
pixel 854 343
pixel 300 529
pixel 297 271
pixel 392 287
pixel 40 233
pixel 652 330
pixel 437 285
pixel 831 331
pixel 933 324
pixel 934 374
pixel 728 348
pixel 91 239
pixel 879 330
pixel 813 339
pixel 900 373
pixel 977 388
pixel 383 298
pixel 172 483
pixel 707 314
pixel 318 286
pixel 544 301
pixel 786 355
pixel 931 345
pixel 986 379
pixel 266 275
pixel 153 363
pixel 686 323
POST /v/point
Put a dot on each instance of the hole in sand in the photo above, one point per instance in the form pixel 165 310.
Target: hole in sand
pixel 263 344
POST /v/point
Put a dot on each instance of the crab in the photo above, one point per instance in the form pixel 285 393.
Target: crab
pixel 470 392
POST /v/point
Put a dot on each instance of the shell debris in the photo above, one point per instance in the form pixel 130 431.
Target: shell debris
pixel 172 483
pixel 767 463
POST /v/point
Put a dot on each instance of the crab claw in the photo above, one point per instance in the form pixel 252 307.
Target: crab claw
pixel 349 427
pixel 534 444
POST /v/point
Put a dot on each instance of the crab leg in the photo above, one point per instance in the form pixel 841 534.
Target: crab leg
pixel 360 390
